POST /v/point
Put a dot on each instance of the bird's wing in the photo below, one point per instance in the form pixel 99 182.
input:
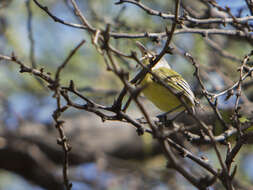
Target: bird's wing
pixel 175 81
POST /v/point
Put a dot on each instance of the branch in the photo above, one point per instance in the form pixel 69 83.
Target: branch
pixel 61 67
pixel 117 35
pixel 188 18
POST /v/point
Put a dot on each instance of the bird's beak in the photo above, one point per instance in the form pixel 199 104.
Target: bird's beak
pixel 142 48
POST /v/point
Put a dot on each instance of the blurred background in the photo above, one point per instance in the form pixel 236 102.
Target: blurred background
pixel 106 155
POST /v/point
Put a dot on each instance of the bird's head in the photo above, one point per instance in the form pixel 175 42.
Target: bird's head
pixel 147 55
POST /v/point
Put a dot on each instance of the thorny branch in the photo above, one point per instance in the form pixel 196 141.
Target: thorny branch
pixel 54 85
pixel 158 35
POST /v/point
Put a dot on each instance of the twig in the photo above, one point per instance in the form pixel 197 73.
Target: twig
pixel 186 153
pixel 153 62
pixel 30 33
pixel 26 69
pixel 204 91
pixel 82 18
pixel 174 164
pixel 117 35
pixel 57 19
pixel 59 69
pixel 220 50
pixel 250 6
pixel 188 18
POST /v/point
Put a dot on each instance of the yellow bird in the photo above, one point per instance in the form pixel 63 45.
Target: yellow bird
pixel 159 95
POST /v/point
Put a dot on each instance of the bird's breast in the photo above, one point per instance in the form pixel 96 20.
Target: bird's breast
pixel 161 97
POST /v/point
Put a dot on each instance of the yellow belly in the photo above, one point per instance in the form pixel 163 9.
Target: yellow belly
pixel 161 97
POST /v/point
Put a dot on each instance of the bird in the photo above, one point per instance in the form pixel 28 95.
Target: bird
pixel 164 99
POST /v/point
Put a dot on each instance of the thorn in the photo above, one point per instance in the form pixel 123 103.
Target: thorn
pixel 72 85
pixel 41 69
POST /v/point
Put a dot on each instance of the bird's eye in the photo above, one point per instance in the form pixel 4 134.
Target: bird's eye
pixel 137 66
